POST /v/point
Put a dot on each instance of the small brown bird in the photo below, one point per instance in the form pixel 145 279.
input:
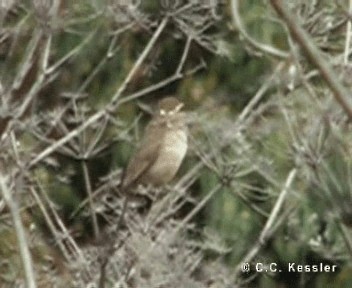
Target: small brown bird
pixel 163 147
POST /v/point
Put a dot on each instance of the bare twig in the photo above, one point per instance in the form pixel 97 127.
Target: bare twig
pixel 260 93
pixel 176 76
pixel 267 231
pixel 184 56
pixel 198 207
pixel 46 152
pixel 39 81
pixel 70 54
pixel 62 233
pixel 50 224
pixel 28 59
pixel 260 46
pixel 345 232
pixel 340 93
pixel 21 234
pixel 140 60
pixel 348 36
pixel 90 198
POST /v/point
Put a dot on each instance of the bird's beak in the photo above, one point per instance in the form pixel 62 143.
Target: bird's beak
pixel 179 107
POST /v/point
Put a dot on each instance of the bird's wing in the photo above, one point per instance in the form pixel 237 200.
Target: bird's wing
pixel 145 156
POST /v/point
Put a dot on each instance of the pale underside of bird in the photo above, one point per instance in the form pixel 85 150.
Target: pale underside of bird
pixel 162 149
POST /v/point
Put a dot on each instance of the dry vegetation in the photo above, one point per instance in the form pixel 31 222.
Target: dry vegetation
pixel 268 180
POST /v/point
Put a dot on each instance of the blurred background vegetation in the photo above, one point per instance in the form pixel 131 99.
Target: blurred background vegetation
pixel 262 125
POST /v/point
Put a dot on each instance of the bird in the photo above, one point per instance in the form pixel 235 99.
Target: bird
pixel 162 149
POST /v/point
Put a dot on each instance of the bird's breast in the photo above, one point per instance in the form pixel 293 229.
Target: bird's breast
pixel 172 151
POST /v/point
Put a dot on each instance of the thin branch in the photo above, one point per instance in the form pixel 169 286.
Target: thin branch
pixel 260 46
pixel 90 197
pixel 161 84
pixel 184 55
pixel 21 234
pixel 260 93
pixel 197 208
pixel 150 89
pixel 70 54
pixel 39 81
pixel 50 224
pixel 44 72
pixel 348 36
pixel 340 93
pixel 264 234
pixel 346 236
pixel 46 152
pixel 32 47
pixel 140 60
pixel 64 232
pixel 267 231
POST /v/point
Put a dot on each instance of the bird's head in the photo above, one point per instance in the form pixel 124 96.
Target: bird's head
pixel 169 106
